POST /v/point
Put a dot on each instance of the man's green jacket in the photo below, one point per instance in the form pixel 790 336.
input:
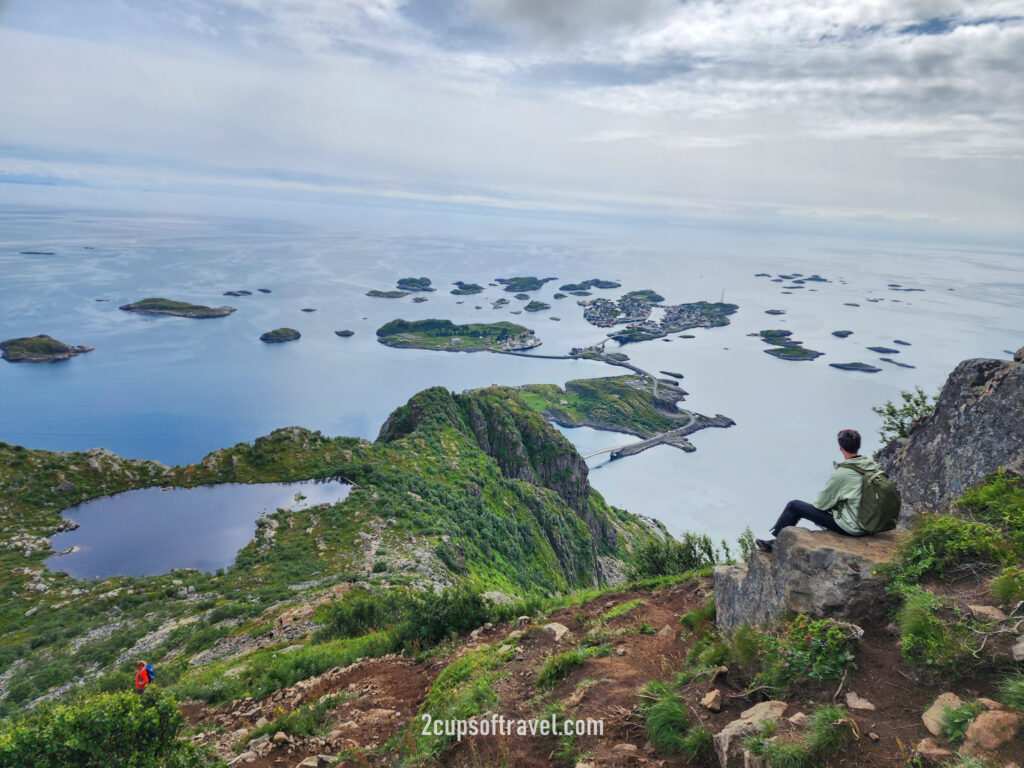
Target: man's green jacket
pixel 841 495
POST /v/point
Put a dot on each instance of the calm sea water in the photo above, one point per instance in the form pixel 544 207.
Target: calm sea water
pixel 173 389
pixel 153 530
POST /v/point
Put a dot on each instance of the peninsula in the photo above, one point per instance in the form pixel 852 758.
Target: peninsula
pixel 637 405
pixel 39 349
pixel 446 335
pixel 157 306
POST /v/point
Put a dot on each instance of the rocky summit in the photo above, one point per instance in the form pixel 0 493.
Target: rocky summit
pixel 977 426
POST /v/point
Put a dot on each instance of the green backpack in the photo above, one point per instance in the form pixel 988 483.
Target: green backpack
pixel 879 500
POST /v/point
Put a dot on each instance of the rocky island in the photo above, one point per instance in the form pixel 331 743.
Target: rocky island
pixel 446 335
pixel 536 306
pixel 280 335
pixel 345 333
pixel 634 309
pixel 39 349
pixel 466 289
pixel 158 306
pixel 862 367
pixel 785 347
pixel 415 284
pixel 520 284
pixel 375 294
pixel 592 283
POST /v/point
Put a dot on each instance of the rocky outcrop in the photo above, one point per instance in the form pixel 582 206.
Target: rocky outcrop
pixel 527 448
pixel 816 572
pixel 977 427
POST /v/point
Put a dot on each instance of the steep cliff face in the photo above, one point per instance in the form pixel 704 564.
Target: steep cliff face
pixel 977 427
pixel 525 447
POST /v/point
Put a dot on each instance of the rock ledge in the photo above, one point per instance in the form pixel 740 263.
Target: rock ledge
pixel 816 572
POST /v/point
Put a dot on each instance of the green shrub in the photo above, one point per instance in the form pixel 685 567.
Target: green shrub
pixel 1012 690
pixel 699 618
pixel 697 741
pixel 745 650
pixel 941 541
pixel 955 720
pixel 1008 587
pixel 353 616
pixel 561 665
pixel 418 619
pixel 667 723
pixel 818 649
pixel 304 721
pixel 122 729
pixel 999 501
pixel 928 639
pixel 897 420
pixel 669 557
pixel 828 730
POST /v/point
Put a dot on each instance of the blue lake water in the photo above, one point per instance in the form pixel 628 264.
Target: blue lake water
pixel 155 530
pixel 173 389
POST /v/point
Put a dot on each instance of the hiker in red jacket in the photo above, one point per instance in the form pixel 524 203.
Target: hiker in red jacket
pixel 142 677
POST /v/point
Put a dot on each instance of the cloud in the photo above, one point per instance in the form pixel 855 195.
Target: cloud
pixel 914 106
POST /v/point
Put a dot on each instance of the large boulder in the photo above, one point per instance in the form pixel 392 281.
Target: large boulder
pixel 977 427
pixel 816 572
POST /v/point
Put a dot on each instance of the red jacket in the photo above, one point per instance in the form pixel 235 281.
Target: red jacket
pixel 141 679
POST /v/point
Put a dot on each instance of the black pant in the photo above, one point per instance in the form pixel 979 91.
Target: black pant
pixel 796 511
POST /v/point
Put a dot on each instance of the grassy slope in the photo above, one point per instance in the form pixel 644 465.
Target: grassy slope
pixel 428 491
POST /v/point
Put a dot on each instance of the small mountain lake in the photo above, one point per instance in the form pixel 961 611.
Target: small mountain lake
pixel 155 530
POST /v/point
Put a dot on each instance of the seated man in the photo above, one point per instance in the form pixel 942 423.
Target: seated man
pixel 837 505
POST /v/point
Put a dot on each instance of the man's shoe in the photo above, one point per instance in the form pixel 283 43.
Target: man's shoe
pixel 765 546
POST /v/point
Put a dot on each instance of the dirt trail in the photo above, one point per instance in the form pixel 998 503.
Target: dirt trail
pixel 647 643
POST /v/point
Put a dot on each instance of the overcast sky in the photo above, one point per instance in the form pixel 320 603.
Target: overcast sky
pixel 906 110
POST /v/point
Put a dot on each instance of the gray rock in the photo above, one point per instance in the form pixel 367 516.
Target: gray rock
pixel 1018 356
pixel 977 427
pixel 712 700
pixel 853 701
pixel 728 741
pixel 816 572
pixel 986 613
pixel 1018 649
pixel 558 630
pixel 934 716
